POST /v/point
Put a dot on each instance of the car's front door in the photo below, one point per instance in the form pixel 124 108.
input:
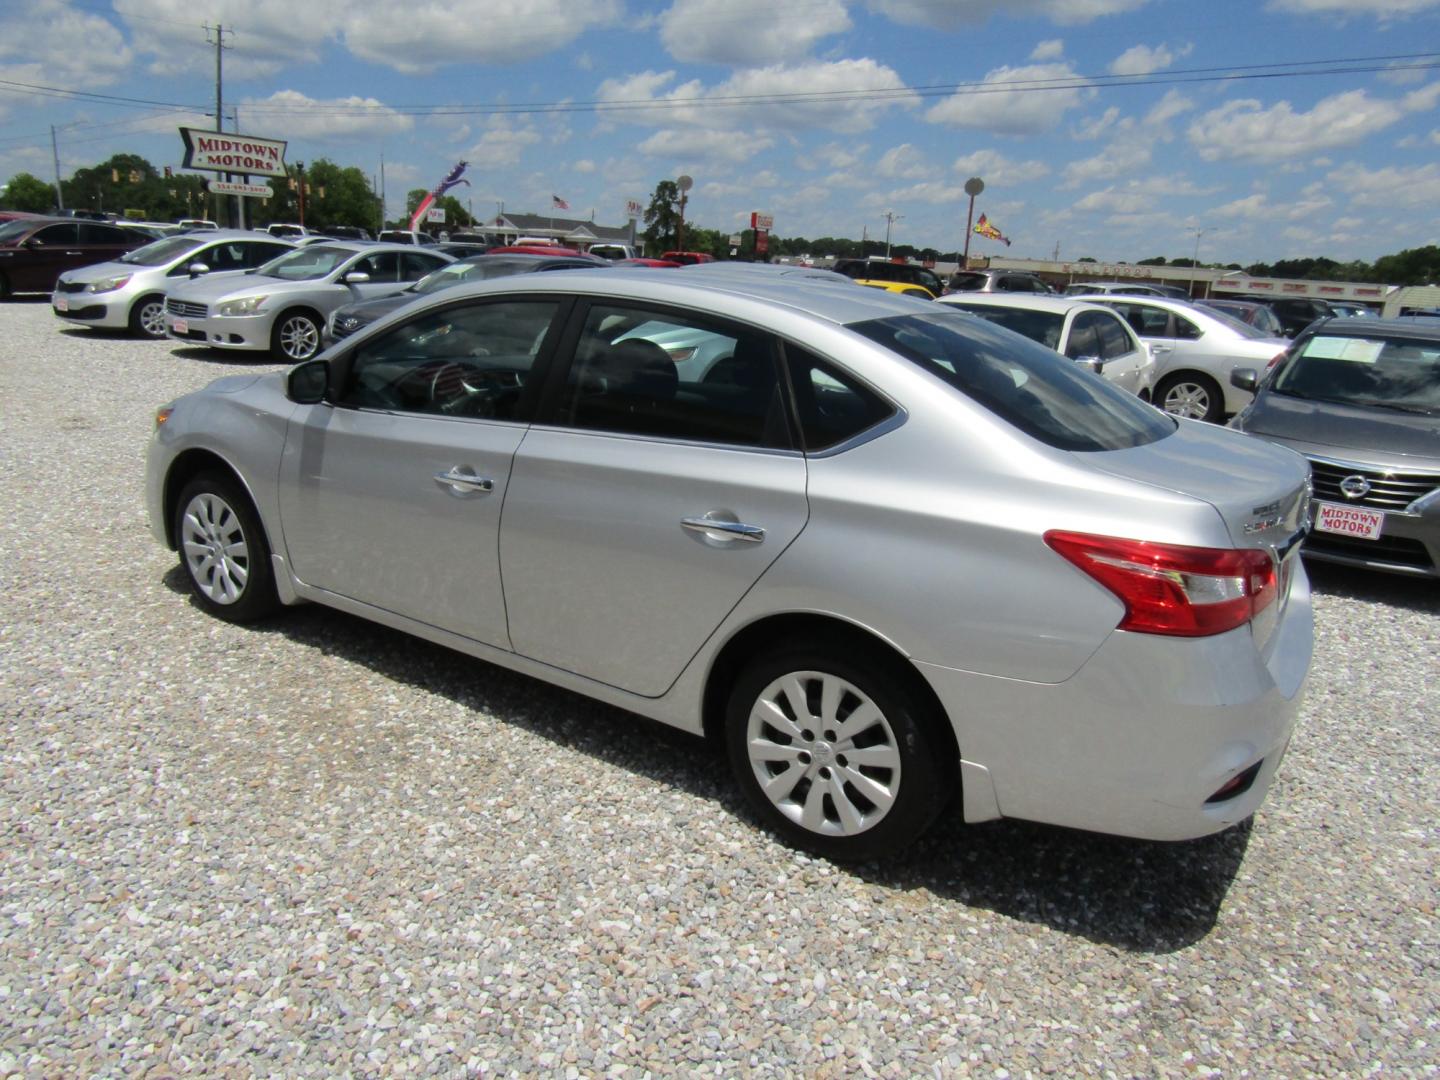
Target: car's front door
pixel 48 253
pixel 650 496
pixel 391 494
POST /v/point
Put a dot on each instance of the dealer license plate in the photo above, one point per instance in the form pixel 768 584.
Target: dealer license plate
pixel 1353 521
pixel 180 326
pixel 62 304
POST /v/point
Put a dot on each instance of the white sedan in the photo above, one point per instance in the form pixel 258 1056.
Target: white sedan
pixel 1195 351
pixel 1086 332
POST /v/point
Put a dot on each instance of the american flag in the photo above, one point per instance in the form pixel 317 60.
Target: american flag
pixel 558 203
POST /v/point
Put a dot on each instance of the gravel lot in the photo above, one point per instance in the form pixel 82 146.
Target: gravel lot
pixel 320 848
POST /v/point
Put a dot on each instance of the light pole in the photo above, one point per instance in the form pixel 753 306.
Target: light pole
pixel 890 218
pixel 1195 262
pixel 974 186
pixel 684 183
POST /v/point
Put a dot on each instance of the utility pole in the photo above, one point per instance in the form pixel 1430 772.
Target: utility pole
pixel 55 152
pixel 220 48
pixel 1196 260
pixel 890 218
pixel 382 194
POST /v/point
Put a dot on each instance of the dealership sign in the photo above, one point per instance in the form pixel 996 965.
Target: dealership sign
pixel 250 191
pixel 217 151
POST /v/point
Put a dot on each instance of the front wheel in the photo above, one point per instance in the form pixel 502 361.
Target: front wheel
pixel 1192 395
pixel 224 550
pixel 147 317
pixel 839 756
pixel 296 337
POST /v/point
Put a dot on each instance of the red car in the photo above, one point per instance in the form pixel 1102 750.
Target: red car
pixel 687 258
pixel 34 252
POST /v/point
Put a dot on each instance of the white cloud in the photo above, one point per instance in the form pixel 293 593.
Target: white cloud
pixel 842 155
pixel 997 170
pixel 1381 9
pixel 1411 142
pixel 1143 60
pixel 51 43
pixel 1251 208
pixel 725 31
pixel 503 144
pixel 1093 129
pixel 1244 130
pixel 272 34
pixel 1053 49
pixel 1132 143
pixel 584 167
pixel 948 14
pixel 1167 108
pixel 687 146
pixel 843 96
pixel 1140 195
pixel 301 117
pixel 1014 101
pixel 1395 186
pixel 903 162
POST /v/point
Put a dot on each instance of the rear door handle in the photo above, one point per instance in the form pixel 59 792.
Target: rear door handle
pixel 729 530
pixel 460 482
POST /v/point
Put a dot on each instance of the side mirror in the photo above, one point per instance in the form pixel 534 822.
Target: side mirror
pixel 195 269
pixel 306 384
pixel 1245 379
pixel 356 277
pixel 1091 363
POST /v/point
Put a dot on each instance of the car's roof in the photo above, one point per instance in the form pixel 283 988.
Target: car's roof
pixel 1230 300
pixel 841 304
pixel 1422 327
pixel 1059 305
pixel 1169 303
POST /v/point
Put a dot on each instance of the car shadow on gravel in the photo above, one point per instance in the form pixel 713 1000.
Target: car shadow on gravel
pixel 1356 583
pixel 1140 896
pixel 229 357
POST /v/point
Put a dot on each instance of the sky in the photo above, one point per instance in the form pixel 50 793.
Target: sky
pixel 1116 129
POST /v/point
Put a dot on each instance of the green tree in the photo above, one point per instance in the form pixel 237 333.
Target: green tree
pixel 28 193
pixel 662 217
pixel 1413 266
pixel 1156 260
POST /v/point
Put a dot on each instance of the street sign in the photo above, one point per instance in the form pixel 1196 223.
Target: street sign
pixel 247 191
pixel 216 151
pixel 436 214
pixel 761 221
pixel 633 209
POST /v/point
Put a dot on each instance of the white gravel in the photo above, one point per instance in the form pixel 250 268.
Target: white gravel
pixel 320 848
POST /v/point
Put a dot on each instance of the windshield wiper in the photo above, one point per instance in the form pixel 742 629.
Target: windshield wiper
pixel 1422 410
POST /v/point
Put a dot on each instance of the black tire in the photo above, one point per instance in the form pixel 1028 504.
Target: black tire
pixel 296 337
pixel 1193 394
pixel 147 317
pixel 214 516
pixel 827 789
pixel 4 287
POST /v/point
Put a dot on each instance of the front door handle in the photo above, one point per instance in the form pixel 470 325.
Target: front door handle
pixel 460 482
pixel 729 530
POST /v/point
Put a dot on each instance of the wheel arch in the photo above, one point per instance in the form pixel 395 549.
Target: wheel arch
pixel 190 464
pixel 823 631
pixel 299 308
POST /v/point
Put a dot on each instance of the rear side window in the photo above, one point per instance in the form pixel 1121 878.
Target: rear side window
pixel 967 282
pixel 1027 385
pixel 833 406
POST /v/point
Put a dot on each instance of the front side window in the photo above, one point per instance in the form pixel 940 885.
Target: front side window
pixel 229 256
pixel 1023 383
pixel 1084 336
pixel 468 360
pixel 414 265
pixel 383 267
pixel 1114 341
pixel 674 375
pixel 65 233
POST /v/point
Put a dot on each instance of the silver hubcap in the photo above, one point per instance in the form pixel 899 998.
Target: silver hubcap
pixel 1188 399
pixel 299 339
pixel 152 318
pixel 823 753
pixel 215 550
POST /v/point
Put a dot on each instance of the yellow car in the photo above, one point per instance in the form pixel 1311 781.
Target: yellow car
pixel 899 287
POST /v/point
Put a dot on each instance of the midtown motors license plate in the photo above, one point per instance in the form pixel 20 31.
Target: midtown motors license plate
pixel 1352 521
pixel 180 326
pixel 62 304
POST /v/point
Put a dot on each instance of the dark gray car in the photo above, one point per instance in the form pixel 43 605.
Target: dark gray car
pixel 352 317
pixel 1361 400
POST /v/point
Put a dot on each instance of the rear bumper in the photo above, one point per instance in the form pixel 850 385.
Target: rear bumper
pixel 1139 740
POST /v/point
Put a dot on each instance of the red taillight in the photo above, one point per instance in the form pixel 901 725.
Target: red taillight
pixel 1169 589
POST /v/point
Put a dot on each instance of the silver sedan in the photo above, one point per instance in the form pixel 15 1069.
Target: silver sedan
pixel 891 557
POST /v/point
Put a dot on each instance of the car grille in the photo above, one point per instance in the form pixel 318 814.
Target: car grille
pixel 346 326
pixel 1388 491
pixel 184 310
pixel 70 286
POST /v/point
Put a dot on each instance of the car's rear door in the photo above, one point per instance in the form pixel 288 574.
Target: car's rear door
pixel 655 488
pixel 391 495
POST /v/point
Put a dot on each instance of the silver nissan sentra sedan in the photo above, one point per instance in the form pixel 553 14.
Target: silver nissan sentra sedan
pixel 891 556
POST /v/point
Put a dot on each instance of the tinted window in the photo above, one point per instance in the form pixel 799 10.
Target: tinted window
pixel 470 361
pixel 1023 383
pixel 67 232
pixel 832 406
pixel 1145 320
pixel 91 233
pixel 1114 341
pixel 383 266
pixel 227 256
pixel 1188 331
pixel 968 282
pixel 259 253
pixel 1084 336
pixel 414 265
pixel 674 375
pixel 1041 326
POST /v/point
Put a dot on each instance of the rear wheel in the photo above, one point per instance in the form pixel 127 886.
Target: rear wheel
pixel 223 549
pixel 296 337
pixel 839 756
pixel 1191 394
pixel 147 317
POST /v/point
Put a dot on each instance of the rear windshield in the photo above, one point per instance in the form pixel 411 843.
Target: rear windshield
pixel 1240 327
pixel 162 252
pixel 1041 326
pixel 1387 373
pixel 1029 386
pixel 968 282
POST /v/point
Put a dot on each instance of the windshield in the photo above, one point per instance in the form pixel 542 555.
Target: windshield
pixel 162 252
pixel 306 264
pixel 1229 321
pixel 1041 326
pixel 11 229
pixel 1391 373
pixel 964 282
pixel 1031 387
pixel 449 275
